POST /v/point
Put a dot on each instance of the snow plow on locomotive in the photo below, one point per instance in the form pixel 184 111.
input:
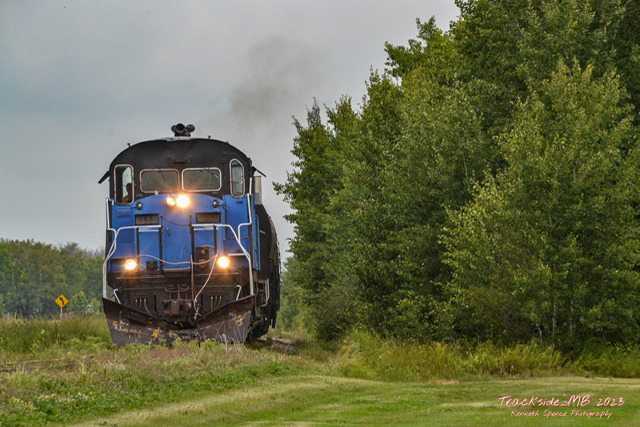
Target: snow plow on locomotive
pixel 191 252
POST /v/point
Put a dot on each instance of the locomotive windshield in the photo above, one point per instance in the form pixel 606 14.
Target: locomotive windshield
pixel 202 179
pixel 159 180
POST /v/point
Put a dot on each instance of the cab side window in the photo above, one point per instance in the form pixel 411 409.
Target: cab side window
pixel 123 185
pixel 237 178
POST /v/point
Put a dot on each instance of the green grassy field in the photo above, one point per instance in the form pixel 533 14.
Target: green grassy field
pixel 66 372
pixel 321 400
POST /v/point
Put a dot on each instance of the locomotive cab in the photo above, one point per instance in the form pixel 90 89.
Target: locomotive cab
pixel 190 252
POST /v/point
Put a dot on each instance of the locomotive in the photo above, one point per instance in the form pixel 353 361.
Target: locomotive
pixel 191 252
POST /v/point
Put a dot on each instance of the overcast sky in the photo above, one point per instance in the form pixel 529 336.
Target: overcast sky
pixel 81 79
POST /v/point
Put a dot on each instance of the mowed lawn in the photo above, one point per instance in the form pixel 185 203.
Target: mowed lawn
pixel 327 400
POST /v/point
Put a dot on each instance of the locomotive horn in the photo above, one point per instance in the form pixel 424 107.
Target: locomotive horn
pixel 182 130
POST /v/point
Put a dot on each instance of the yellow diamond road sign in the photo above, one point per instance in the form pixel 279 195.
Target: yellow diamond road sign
pixel 62 301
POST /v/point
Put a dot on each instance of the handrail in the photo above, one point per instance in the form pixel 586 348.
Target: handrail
pixel 112 250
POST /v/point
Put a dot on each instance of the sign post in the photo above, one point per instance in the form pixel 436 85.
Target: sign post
pixel 62 301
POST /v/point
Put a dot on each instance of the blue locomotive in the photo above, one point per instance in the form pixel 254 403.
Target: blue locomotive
pixel 191 252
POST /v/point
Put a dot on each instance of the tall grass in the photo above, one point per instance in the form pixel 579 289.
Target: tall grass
pixel 365 355
pixel 610 361
pixel 24 337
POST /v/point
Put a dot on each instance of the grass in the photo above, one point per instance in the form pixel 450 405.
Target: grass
pixel 20 337
pixel 367 356
pixel 60 376
pixel 66 370
pixel 327 401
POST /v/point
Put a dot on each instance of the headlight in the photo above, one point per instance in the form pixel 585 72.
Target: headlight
pixel 182 201
pixel 130 265
pixel 224 262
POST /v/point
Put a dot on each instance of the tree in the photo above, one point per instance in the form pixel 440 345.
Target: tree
pixel 511 46
pixel 549 247
pixel 308 190
pixel 362 224
pixel 439 188
pixel 80 304
pixel 33 275
pixel 432 168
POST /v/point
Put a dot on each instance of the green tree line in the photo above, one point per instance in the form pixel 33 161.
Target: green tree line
pixel 33 275
pixel 486 187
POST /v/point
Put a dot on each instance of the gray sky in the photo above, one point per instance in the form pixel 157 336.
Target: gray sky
pixel 81 79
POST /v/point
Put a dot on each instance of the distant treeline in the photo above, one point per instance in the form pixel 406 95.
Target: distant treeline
pixel 486 187
pixel 33 275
